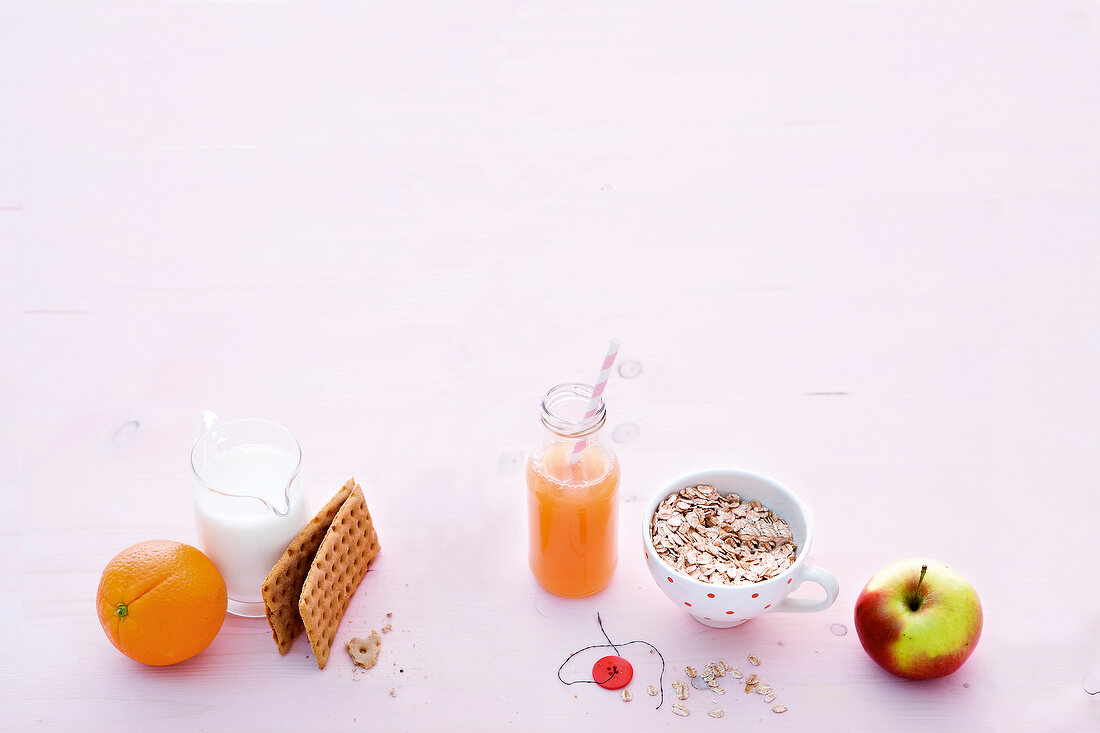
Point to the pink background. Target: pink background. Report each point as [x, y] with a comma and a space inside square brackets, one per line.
[852, 245]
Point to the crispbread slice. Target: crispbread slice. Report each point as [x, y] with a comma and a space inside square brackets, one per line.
[283, 586]
[340, 564]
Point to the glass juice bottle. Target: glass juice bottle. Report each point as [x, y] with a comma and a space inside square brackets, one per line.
[572, 507]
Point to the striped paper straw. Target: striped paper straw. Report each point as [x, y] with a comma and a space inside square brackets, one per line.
[597, 392]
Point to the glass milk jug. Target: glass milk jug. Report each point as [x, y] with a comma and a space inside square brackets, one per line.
[250, 502]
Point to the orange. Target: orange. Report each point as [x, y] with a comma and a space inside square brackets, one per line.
[161, 602]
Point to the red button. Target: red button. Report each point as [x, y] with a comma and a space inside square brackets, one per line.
[611, 673]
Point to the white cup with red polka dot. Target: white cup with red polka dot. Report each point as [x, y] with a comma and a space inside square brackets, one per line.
[725, 606]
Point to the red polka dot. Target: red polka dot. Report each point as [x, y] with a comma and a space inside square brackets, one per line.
[729, 613]
[647, 554]
[670, 580]
[710, 595]
[789, 580]
[768, 606]
[686, 603]
[755, 595]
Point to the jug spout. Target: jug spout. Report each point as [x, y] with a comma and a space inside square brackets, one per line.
[282, 508]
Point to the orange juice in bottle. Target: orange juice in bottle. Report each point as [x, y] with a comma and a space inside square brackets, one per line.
[572, 506]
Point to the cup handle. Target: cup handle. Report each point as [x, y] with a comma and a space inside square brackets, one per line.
[817, 575]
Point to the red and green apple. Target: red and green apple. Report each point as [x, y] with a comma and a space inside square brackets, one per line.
[918, 619]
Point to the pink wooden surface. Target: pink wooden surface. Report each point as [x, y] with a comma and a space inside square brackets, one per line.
[852, 245]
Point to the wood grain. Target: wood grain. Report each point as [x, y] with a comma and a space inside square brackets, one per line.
[853, 246]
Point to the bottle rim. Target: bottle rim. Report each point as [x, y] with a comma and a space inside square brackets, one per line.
[572, 427]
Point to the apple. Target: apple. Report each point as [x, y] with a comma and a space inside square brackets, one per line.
[918, 619]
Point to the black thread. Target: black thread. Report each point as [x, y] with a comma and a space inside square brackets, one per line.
[600, 622]
[660, 678]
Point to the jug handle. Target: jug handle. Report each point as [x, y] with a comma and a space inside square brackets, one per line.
[207, 420]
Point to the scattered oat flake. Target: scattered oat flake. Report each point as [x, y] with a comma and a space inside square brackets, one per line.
[755, 660]
[680, 710]
[387, 628]
[769, 697]
[626, 695]
[393, 692]
[751, 682]
[764, 689]
[652, 690]
[779, 709]
[737, 674]
[690, 671]
[389, 614]
[716, 713]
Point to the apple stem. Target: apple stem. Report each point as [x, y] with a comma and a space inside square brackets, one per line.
[915, 597]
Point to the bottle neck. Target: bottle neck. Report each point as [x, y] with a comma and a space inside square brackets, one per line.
[567, 414]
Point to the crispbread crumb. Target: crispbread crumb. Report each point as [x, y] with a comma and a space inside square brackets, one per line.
[364, 652]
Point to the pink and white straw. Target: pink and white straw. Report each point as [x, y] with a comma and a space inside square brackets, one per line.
[597, 392]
